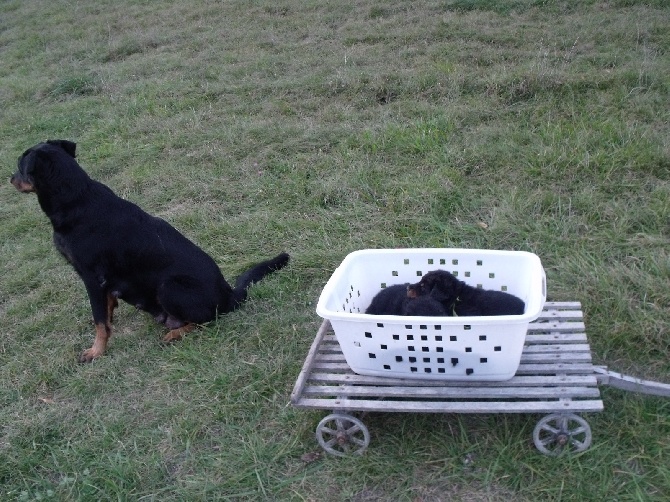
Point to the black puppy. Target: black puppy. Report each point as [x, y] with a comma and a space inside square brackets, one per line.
[120, 251]
[461, 299]
[393, 300]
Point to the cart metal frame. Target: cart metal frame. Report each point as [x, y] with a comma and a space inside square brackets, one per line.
[556, 376]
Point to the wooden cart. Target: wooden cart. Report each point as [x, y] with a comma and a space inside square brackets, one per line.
[556, 377]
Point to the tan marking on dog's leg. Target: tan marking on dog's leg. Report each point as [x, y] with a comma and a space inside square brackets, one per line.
[102, 333]
[112, 303]
[177, 334]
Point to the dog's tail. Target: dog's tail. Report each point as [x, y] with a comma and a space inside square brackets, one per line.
[256, 273]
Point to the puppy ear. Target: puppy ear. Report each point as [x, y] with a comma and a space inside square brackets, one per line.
[438, 293]
[69, 146]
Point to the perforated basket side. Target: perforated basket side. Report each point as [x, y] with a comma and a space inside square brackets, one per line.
[431, 351]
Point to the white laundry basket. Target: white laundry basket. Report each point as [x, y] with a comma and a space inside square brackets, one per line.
[435, 348]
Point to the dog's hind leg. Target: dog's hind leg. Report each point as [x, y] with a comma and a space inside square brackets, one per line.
[177, 334]
[186, 303]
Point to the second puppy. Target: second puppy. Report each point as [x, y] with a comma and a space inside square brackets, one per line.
[394, 300]
[461, 299]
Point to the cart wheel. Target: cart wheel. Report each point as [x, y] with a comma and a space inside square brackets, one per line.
[341, 435]
[557, 433]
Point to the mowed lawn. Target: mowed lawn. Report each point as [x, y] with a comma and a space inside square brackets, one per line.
[320, 128]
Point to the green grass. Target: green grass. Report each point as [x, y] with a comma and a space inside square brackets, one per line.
[322, 128]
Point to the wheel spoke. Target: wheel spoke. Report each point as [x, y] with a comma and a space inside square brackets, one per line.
[548, 441]
[549, 428]
[578, 445]
[357, 441]
[352, 430]
[577, 431]
[327, 430]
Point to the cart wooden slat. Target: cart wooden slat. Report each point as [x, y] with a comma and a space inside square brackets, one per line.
[556, 375]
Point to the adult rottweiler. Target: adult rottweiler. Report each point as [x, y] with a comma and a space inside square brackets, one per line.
[461, 299]
[122, 252]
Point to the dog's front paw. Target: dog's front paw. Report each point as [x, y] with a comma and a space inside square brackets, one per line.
[89, 355]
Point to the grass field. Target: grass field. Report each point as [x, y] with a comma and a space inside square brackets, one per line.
[321, 128]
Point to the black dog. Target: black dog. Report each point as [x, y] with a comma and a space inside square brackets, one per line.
[461, 299]
[393, 300]
[119, 251]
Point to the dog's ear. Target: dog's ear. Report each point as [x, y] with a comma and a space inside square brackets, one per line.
[443, 287]
[433, 288]
[69, 146]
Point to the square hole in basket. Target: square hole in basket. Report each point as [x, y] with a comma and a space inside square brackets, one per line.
[410, 348]
[503, 288]
[368, 334]
[425, 349]
[380, 325]
[438, 327]
[467, 327]
[426, 359]
[410, 337]
[413, 369]
[412, 359]
[469, 371]
[467, 274]
[426, 370]
[387, 367]
[398, 359]
[430, 261]
[423, 326]
[454, 262]
[419, 273]
[439, 349]
[440, 360]
[441, 370]
[438, 338]
[454, 361]
[453, 338]
[424, 338]
[480, 263]
[468, 349]
[372, 356]
[443, 261]
[406, 261]
[483, 360]
[394, 273]
[497, 348]
[396, 337]
[384, 347]
[492, 275]
[482, 338]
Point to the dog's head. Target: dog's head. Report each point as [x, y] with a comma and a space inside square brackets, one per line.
[439, 285]
[41, 164]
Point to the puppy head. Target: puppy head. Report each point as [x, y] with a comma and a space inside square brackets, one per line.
[439, 285]
[37, 165]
